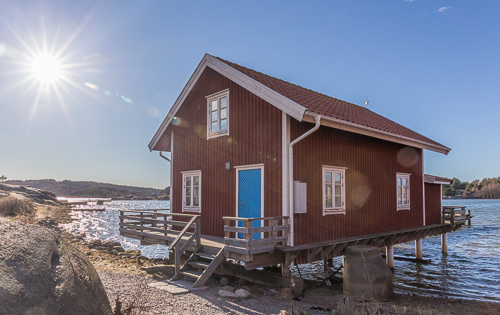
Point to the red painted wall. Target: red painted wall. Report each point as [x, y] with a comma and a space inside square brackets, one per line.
[254, 137]
[370, 180]
[432, 204]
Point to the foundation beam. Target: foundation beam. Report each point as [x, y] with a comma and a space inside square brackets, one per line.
[418, 248]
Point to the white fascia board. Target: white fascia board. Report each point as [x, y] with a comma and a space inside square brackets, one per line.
[375, 133]
[171, 114]
[284, 104]
[281, 102]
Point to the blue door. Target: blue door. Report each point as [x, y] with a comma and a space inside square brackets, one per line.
[250, 197]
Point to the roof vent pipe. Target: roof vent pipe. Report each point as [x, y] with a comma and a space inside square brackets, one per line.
[290, 177]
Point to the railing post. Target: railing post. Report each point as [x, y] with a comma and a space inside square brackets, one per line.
[165, 225]
[177, 258]
[142, 221]
[154, 217]
[272, 235]
[226, 233]
[198, 232]
[121, 218]
[286, 231]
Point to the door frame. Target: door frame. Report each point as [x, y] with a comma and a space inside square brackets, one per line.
[245, 168]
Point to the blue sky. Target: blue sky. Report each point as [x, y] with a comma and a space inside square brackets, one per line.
[432, 66]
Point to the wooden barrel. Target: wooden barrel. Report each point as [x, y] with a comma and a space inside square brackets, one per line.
[366, 274]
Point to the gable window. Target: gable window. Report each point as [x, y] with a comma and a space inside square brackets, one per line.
[191, 191]
[333, 190]
[218, 114]
[403, 191]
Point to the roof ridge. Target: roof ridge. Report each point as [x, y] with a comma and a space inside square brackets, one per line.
[296, 85]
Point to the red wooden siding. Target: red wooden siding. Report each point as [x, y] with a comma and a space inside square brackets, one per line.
[370, 180]
[254, 137]
[432, 204]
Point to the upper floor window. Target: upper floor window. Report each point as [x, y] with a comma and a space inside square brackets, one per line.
[191, 191]
[333, 190]
[218, 114]
[403, 192]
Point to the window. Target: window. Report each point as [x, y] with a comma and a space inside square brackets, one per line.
[403, 193]
[333, 190]
[191, 191]
[218, 114]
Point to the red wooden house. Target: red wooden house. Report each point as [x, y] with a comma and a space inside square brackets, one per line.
[244, 144]
[237, 142]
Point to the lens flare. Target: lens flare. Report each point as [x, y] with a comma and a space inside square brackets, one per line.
[90, 85]
[126, 99]
[46, 68]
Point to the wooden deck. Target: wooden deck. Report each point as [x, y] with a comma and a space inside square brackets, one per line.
[263, 245]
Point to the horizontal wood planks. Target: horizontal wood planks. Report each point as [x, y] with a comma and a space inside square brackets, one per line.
[432, 204]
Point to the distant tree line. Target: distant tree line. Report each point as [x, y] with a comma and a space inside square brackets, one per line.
[487, 188]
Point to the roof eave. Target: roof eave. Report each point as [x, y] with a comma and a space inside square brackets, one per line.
[375, 133]
[286, 105]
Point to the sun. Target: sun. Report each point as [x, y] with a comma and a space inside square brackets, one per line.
[46, 68]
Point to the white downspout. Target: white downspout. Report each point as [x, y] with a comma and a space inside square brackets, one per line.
[171, 164]
[290, 177]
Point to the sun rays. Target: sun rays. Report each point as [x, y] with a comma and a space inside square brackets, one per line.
[47, 67]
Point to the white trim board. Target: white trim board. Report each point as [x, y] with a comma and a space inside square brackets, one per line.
[279, 101]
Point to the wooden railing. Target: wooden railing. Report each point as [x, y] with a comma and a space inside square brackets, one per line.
[242, 237]
[179, 245]
[454, 215]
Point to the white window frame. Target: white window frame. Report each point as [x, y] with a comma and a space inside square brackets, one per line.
[334, 170]
[190, 207]
[217, 97]
[403, 206]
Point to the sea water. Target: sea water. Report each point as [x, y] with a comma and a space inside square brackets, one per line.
[470, 270]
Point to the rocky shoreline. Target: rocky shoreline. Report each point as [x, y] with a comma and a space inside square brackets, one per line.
[140, 285]
[137, 280]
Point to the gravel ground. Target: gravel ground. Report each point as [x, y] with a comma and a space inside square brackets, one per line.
[131, 287]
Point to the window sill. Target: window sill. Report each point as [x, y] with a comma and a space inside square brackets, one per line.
[333, 212]
[404, 209]
[197, 210]
[219, 134]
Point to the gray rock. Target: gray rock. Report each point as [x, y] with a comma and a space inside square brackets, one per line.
[243, 294]
[227, 294]
[108, 243]
[95, 242]
[228, 288]
[119, 249]
[224, 280]
[40, 273]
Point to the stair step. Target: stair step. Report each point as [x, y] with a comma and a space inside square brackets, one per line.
[199, 264]
[190, 273]
[205, 255]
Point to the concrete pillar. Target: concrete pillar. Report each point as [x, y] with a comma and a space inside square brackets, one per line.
[389, 256]
[444, 244]
[418, 249]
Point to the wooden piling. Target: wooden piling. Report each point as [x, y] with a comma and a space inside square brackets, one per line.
[444, 244]
[389, 256]
[418, 249]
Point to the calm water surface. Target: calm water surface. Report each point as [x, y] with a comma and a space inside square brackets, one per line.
[470, 270]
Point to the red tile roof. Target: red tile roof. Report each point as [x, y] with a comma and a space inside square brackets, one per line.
[328, 106]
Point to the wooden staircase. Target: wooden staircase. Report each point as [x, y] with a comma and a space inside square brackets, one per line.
[201, 264]
[203, 260]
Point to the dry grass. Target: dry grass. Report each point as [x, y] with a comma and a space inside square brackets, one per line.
[348, 307]
[23, 209]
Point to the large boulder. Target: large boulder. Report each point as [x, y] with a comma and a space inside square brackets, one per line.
[40, 273]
